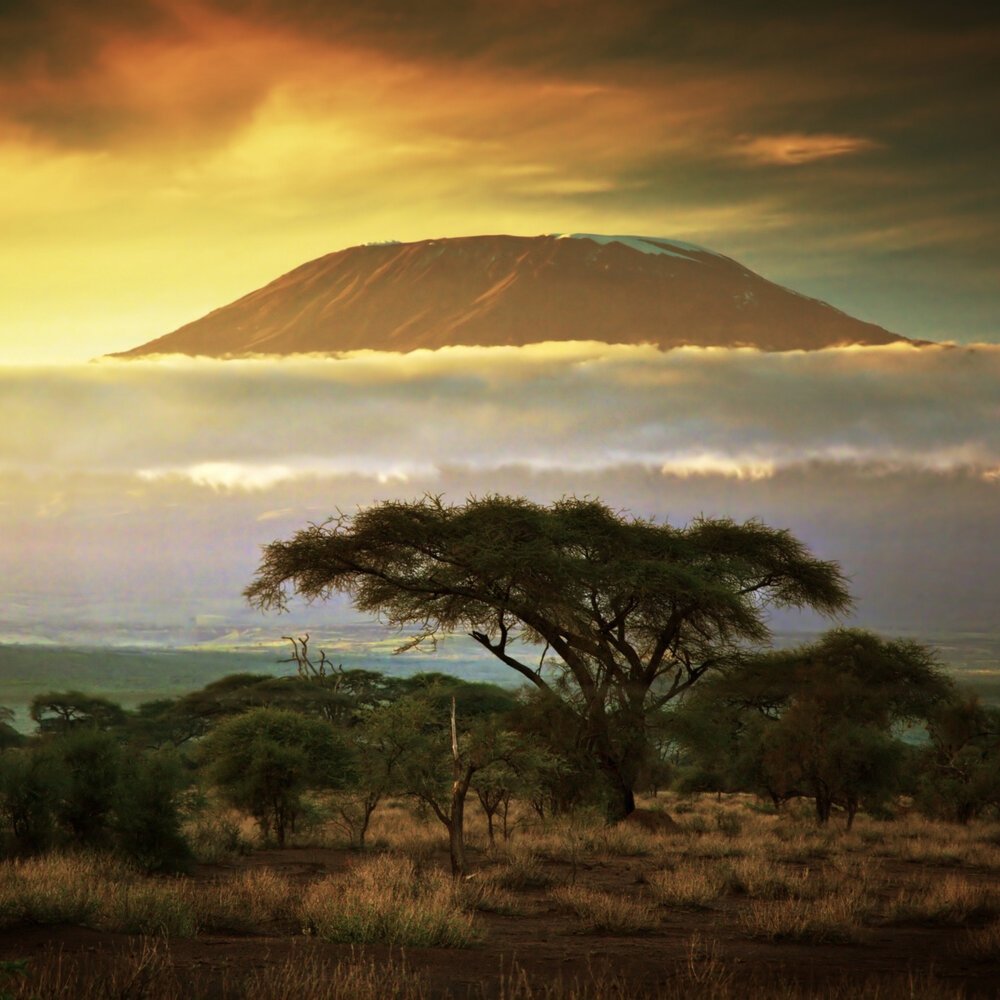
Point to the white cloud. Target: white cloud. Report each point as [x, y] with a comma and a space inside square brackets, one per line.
[256, 424]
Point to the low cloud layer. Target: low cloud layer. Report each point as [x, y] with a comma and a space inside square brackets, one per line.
[747, 414]
[142, 490]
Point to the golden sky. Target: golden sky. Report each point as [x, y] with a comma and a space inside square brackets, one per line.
[159, 159]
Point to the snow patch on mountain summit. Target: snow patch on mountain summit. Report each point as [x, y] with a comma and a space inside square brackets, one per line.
[655, 245]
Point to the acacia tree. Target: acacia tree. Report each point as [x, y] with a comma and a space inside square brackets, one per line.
[819, 720]
[264, 760]
[62, 711]
[630, 612]
[435, 761]
[961, 764]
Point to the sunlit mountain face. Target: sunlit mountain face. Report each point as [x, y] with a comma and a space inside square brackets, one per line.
[511, 291]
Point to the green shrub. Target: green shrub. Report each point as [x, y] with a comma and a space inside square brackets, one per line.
[147, 819]
[88, 763]
[28, 790]
[264, 760]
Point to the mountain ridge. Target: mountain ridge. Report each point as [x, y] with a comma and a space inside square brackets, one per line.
[516, 290]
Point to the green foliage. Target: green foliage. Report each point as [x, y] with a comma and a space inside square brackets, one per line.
[632, 613]
[9, 736]
[80, 790]
[87, 764]
[264, 760]
[62, 711]
[960, 772]
[29, 788]
[571, 777]
[831, 759]
[147, 819]
[816, 721]
[473, 699]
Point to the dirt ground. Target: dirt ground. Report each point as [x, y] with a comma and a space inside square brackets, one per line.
[544, 941]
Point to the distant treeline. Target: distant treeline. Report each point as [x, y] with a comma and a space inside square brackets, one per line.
[825, 723]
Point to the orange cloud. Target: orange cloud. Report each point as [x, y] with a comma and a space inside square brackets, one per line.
[796, 149]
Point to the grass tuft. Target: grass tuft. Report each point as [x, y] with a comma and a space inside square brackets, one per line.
[605, 912]
[386, 899]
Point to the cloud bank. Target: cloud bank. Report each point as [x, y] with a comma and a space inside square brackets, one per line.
[582, 406]
[143, 489]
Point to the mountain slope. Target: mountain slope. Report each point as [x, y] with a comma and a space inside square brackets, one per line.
[513, 290]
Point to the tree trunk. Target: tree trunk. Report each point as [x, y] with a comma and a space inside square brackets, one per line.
[823, 807]
[621, 801]
[852, 809]
[456, 837]
[461, 777]
[620, 760]
[367, 808]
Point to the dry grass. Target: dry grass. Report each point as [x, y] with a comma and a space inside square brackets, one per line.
[761, 878]
[98, 892]
[144, 907]
[219, 834]
[773, 876]
[836, 918]
[983, 943]
[953, 901]
[310, 977]
[605, 912]
[520, 868]
[146, 971]
[696, 884]
[387, 899]
[396, 828]
[919, 840]
[720, 845]
[55, 889]
[246, 901]
[802, 845]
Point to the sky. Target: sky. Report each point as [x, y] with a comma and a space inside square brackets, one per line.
[159, 159]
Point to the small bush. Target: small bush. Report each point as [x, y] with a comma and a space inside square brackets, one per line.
[728, 823]
[759, 878]
[29, 787]
[147, 821]
[90, 762]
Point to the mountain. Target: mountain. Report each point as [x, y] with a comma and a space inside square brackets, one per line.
[515, 290]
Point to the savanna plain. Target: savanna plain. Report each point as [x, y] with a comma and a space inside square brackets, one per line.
[734, 899]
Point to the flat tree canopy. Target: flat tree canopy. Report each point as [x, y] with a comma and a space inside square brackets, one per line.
[630, 613]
